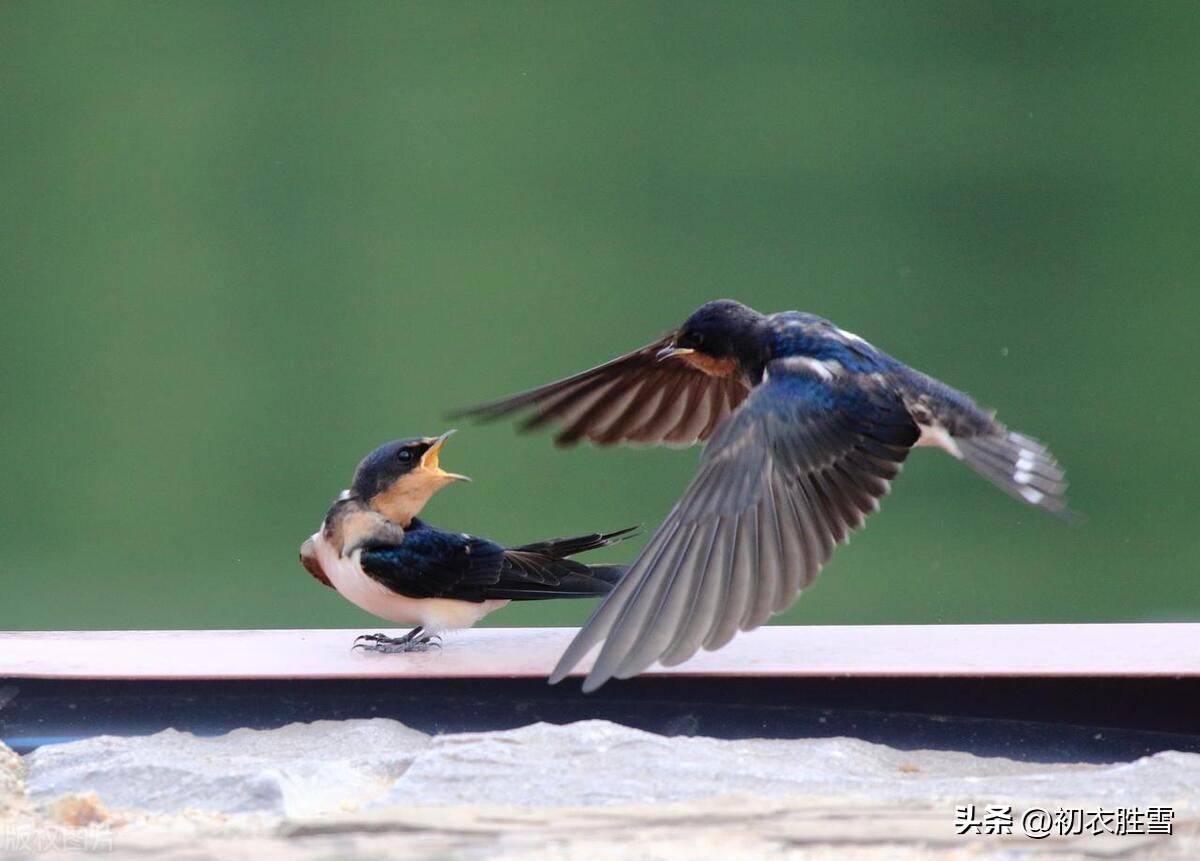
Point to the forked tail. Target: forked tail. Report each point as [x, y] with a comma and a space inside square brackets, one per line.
[1020, 466]
[544, 569]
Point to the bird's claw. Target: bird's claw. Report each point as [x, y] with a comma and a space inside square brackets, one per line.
[385, 645]
[373, 638]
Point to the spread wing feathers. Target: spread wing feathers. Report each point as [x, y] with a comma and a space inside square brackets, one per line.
[1021, 466]
[781, 483]
[635, 398]
[431, 563]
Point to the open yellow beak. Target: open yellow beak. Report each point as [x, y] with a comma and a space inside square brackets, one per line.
[429, 460]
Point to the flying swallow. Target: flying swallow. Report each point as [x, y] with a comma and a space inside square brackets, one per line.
[805, 426]
[373, 549]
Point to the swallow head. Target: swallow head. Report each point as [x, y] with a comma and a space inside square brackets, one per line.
[722, 338]
[400, 476]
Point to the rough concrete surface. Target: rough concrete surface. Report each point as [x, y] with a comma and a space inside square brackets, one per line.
[374, 788]
[12, 785]
[296, 770]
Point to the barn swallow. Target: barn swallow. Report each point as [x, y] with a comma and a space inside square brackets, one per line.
[805, 426]
[374, 551]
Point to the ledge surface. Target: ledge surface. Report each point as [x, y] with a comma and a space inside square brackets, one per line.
[1100, 650]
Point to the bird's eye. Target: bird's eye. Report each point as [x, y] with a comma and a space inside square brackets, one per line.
[405, 455]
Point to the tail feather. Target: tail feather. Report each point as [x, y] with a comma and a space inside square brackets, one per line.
[561, 548]
[610, 574]
[542, 570]
[1020, 466]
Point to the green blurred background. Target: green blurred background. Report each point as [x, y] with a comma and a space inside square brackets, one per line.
[243, 243]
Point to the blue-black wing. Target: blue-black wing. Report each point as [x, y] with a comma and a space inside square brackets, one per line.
[782, 481]
[634, 398]
[433, 563]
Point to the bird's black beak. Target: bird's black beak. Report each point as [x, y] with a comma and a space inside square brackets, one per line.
[429, 460]
[671, 351]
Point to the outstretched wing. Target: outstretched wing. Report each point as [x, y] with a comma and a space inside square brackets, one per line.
[782, 482]
[636, 398]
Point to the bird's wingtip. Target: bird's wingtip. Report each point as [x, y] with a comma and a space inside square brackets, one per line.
[1071, 517]
[590, 684]
[565, 665]
[462, 413]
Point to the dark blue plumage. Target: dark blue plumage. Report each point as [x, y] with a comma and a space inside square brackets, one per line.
[792, 333]
[806, 424]
[433, 563]
[374, 550]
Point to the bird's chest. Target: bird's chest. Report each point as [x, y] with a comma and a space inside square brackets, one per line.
[367, 593]
[347, 576]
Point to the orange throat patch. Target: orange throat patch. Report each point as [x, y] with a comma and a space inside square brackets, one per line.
[404, 500]
[724, 368]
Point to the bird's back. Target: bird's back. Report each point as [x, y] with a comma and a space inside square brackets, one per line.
[795, 333]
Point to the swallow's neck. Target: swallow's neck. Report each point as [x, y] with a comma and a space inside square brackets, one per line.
[723, 368]
[404, 498]
[751, 351]
[350, 524]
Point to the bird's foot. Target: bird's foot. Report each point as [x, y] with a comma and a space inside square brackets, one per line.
[424, 644]
[375, 638]
[384, 645]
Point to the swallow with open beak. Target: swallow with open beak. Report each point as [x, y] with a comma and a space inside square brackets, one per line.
[374, 551]
[806, 425]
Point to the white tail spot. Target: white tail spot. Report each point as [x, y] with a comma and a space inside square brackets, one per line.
[1032, 496]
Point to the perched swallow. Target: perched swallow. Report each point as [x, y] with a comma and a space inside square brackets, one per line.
[806, 425]
[374, 551]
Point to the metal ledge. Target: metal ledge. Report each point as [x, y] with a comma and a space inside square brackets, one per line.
[1099, 650]
[1096, 693]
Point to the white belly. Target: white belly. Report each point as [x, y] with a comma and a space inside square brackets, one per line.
[432, 614]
